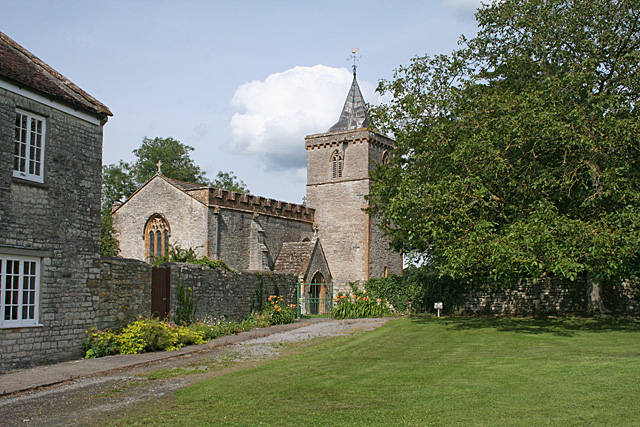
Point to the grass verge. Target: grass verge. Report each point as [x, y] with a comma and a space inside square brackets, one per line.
[428, 371]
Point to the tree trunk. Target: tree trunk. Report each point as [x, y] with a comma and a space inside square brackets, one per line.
[595, 298]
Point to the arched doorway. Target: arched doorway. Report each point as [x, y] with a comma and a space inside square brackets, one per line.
[316, 294]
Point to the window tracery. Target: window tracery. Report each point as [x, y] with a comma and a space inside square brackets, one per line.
[156, 236]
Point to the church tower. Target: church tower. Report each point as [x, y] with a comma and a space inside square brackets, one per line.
[338, 165]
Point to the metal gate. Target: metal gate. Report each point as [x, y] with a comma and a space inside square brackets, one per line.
[315, 299]
[160, 291]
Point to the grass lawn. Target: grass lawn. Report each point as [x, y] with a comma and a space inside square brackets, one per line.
[428, 371]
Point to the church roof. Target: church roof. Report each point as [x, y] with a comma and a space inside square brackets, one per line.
[25, 69]
[185, 185]
[354, 113]
[294, 257]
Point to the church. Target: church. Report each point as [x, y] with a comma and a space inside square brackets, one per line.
[330, 239]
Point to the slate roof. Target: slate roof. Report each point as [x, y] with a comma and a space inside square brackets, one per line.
[354, 112]
[294, 257]
[184, 185]
[25, 69]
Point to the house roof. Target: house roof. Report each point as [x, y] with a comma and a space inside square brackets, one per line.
[25, 69]
[354, 112]
[294, 257]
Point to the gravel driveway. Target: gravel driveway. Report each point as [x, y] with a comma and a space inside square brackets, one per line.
[85, 401]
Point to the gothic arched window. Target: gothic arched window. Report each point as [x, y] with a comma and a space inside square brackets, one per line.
[156, 236]
[337, 162]
[385, 157]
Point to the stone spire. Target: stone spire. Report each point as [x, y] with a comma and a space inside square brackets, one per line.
[354, 113]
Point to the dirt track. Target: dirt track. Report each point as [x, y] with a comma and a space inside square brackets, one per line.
[85, 401]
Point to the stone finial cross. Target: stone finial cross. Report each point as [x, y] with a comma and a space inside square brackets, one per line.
[159, 164]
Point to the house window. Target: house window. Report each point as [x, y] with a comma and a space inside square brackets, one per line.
[337, 161]
[157, 236]
[28, 146]
[19, 291]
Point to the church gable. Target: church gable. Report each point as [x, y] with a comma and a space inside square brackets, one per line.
[184, 220]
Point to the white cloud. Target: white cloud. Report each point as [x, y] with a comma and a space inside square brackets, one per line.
[273, 116]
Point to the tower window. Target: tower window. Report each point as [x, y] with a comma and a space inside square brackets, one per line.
[385, 157]
[337, 162]
[156, 236]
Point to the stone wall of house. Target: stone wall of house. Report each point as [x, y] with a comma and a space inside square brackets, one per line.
[122, 294]
[226, 293]
[56, 222]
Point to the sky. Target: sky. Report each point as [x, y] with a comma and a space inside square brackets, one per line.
[242, 82]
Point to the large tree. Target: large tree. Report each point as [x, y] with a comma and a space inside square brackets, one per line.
[518, 154]
[120, 180]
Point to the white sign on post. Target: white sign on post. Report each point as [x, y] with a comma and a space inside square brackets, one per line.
[438, 306]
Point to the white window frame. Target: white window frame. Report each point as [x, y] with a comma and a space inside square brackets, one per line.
[22, 294]
[29, 152]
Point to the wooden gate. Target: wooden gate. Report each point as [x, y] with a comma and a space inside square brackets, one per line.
[160, 291]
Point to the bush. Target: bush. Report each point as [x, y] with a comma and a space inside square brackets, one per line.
[277, 312]
[153, 334]
[177, 254]
[141, 336]
[100, 343]
[358, 305]
[419, 289]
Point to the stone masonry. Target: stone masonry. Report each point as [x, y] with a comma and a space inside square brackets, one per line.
[55, 222]
[355, 248]
[231, 294]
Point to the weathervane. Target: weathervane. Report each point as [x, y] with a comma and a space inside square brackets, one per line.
[355, 58]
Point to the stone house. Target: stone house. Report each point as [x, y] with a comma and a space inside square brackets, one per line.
[256, 233]
[51, 149]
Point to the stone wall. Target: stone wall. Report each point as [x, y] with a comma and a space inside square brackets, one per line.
[554, 296]
[226, 293]
[56, 222]
[249, 241]
[123, 292]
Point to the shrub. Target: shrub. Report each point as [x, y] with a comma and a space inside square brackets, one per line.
[419, 289]
[177, 254]
[141, 336]
[277, 312]
[358, 305]
[100, 343]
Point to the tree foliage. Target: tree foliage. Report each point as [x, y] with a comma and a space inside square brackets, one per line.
[518, 153]
[120, 180]
[175, 157]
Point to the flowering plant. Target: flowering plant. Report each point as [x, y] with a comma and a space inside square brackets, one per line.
[277, 312]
